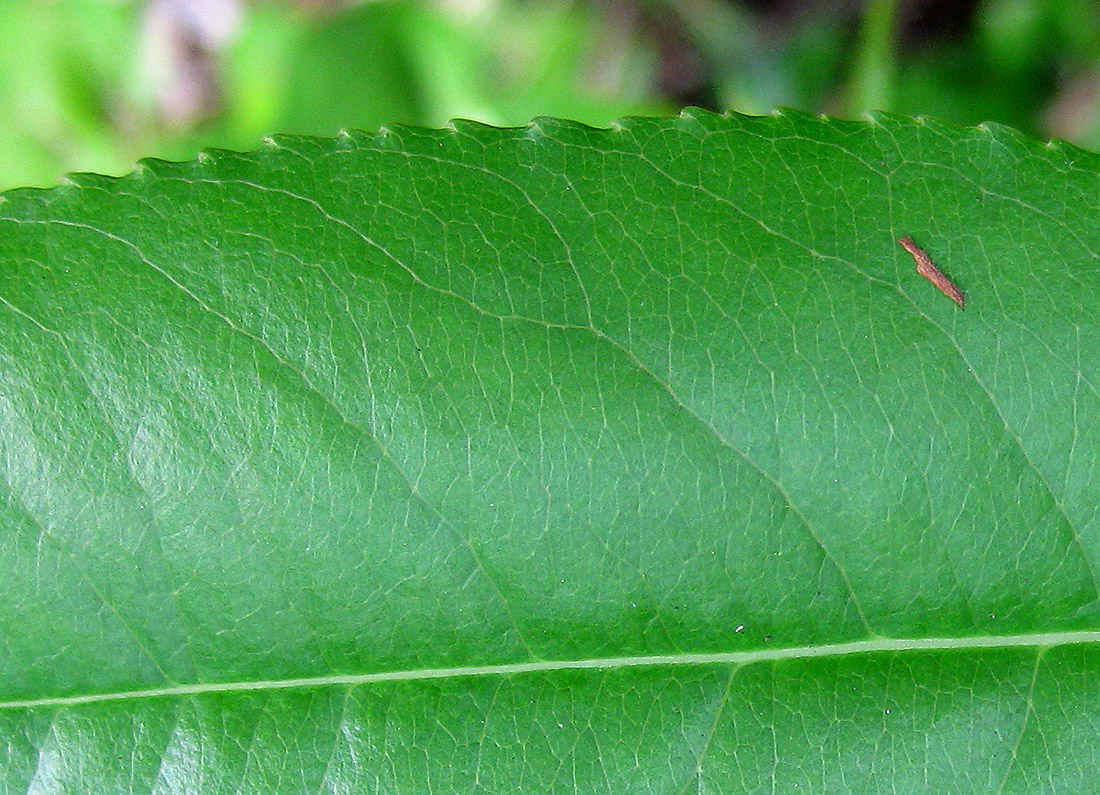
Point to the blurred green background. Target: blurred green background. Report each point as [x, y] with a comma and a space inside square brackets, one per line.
[93, 85]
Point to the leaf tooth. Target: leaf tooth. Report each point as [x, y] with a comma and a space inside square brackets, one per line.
[468, 126]
[548, 126]
[701, 115]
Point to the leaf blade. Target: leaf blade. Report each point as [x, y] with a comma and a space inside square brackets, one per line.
[477, 397]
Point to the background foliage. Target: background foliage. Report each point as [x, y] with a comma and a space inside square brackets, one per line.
[93, 85]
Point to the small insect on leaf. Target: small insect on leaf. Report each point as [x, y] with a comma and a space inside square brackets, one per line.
[928, 269]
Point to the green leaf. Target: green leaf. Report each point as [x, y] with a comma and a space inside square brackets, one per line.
[556, 460]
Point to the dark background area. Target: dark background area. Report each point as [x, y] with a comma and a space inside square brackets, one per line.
[93, 85]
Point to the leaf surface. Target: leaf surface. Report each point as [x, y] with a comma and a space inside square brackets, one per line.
[556, 460]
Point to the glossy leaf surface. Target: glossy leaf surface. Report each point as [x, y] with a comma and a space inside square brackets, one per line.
[555, 459]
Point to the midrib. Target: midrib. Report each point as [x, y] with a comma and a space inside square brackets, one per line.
[1038, 641]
